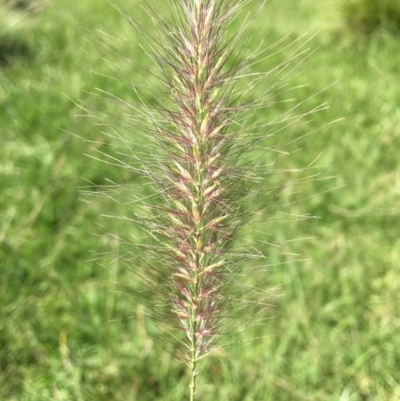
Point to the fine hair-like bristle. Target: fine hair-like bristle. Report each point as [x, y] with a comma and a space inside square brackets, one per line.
[203, 189]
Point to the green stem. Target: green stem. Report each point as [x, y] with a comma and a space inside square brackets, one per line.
[192, 384]
[193, 317]
[197, 149]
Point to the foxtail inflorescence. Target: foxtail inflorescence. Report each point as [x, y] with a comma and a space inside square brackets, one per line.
[202, 189]
[199, 179]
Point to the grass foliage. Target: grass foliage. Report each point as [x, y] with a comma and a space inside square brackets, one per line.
[68, 323]
[370, 15]
[13, 26]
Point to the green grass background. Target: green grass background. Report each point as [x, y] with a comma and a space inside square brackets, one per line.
[69, 332]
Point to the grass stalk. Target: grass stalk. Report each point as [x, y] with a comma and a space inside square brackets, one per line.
[195, 134]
